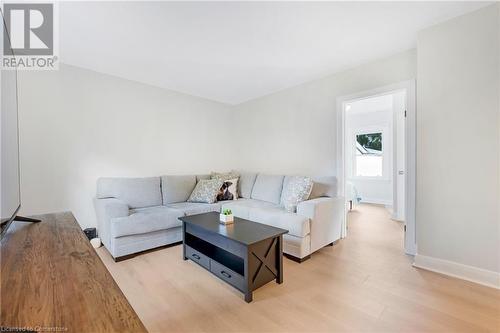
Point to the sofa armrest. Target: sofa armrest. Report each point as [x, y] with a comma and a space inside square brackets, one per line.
[326, 215]
[106, 209]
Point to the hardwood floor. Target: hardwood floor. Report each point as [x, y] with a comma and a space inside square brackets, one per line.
[363, 283]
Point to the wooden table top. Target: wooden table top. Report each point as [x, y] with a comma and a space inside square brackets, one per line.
[51, 277]
[242, 231]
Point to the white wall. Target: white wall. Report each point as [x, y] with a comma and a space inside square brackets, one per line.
[458, 133]
[294, 131]
[371, 190]
[77, 125]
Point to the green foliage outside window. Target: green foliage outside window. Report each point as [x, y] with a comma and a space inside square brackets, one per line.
[370, 141]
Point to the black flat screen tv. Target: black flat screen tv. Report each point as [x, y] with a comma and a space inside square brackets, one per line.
[10, 197]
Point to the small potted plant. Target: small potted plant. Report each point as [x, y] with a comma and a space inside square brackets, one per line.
[226, 217]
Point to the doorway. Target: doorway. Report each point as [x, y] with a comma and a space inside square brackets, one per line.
[376, 153]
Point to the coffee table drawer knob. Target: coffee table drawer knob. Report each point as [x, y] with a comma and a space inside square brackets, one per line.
[228, 275]
[197, 257]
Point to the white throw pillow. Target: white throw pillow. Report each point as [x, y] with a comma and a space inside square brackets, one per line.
[228, 190]
[206, 191]
[297, 189]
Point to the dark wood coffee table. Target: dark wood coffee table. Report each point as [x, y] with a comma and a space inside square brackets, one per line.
[244, 254]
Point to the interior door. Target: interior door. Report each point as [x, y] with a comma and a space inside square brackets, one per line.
[400, 158]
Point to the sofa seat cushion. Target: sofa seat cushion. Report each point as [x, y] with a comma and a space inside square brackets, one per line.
[296, 225]
[193, 208]
[145, 220]
[270, 214]
[242, 207]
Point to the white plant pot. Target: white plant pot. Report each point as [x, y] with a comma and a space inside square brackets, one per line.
[226, 219]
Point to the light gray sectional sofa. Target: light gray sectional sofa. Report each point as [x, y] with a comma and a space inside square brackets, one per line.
[137, 214]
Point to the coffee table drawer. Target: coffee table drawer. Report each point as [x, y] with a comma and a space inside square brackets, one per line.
[197, 257]
[227, 275]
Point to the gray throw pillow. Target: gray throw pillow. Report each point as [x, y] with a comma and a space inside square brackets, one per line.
[296, 189]
[206, 191]
[324, 187]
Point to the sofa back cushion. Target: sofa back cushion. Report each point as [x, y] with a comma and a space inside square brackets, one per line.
[200, 177]
[245, 184]
[135, 192]
[177, 188]
[268, 188]
[324, 187]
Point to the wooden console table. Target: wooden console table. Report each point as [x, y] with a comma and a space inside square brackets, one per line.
[53, 280]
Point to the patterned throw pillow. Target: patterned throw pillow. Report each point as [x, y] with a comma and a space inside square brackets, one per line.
[297, 189]
[206, 191]
[224, 175]
[229, 188]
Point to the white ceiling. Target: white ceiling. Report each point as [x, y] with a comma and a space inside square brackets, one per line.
[235, 51]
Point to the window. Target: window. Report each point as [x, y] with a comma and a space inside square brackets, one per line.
[369, 155]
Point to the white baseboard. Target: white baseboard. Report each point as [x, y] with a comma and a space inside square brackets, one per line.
[464, 272]
[376, 201]
[395, 216]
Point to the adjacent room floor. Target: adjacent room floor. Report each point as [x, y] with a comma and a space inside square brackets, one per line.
[363, 283]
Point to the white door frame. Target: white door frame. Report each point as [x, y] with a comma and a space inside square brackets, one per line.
[411, 150]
